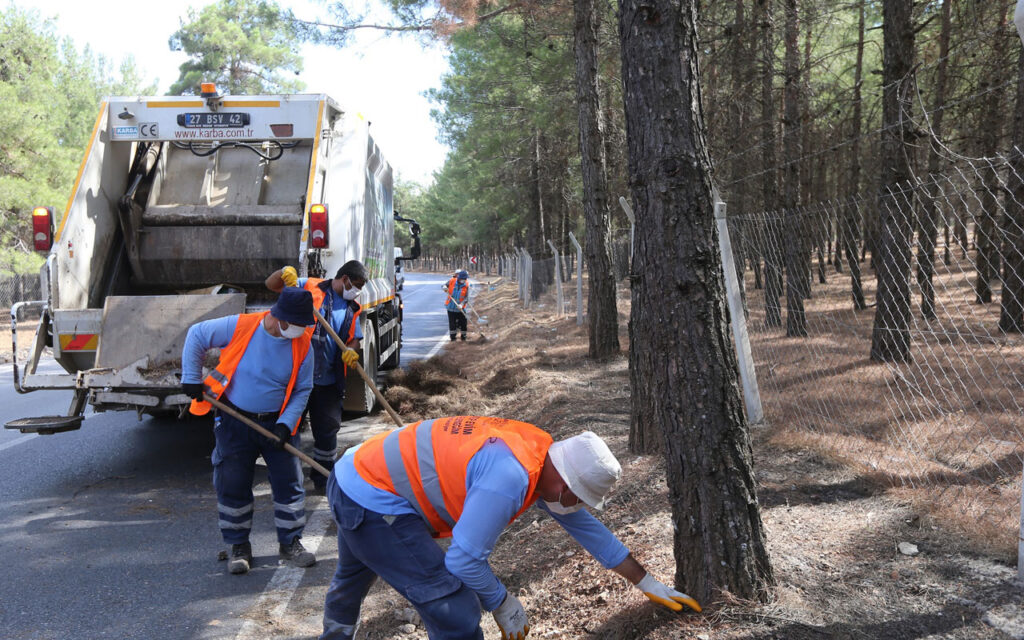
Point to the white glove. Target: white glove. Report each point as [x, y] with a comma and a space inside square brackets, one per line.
[511, 619]
[666, 596]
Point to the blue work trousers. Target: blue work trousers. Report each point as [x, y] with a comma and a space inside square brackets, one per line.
[324, 421]
[234, 465]
[400, 550]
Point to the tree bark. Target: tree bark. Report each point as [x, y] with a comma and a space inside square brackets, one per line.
[851, 216]
[928, 231]
[682, 365]
[890, 335]
[986, 231]
[1011, 312]
[795, 233]
[772, 246]
[602, 312]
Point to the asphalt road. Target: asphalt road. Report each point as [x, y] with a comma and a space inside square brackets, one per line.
[111, 531]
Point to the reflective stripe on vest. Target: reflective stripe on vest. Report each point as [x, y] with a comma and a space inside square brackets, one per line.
[216, 383]
[425, 462]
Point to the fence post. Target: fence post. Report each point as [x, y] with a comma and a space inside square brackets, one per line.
[579, 279]
[558, 279]
[528, 279]
[751, 394]
[632, 226]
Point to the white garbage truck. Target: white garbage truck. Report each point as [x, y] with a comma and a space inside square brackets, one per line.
[181, 209]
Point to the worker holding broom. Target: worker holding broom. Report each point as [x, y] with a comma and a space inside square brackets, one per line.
[265, 373]
[466, 477]
[336, 301]
[457, 291]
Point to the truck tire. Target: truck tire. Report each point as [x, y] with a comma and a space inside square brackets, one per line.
[358, 395]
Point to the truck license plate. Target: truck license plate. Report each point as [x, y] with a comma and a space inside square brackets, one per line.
[213, 120]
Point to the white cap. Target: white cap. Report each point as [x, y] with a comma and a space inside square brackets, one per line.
[587, 465]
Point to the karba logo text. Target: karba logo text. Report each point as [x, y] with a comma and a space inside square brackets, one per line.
[126, 131]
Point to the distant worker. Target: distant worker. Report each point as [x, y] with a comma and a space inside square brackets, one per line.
[265, 373]
[466, 477]
[336, 301]
[458, 293]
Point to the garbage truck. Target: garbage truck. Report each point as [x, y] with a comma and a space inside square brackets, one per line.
[181, 208]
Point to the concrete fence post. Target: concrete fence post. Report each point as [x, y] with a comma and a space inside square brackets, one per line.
[560, 301]
[579, 279]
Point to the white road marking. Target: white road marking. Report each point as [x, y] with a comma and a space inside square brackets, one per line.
[437, 347]
[275, 598]
[17, 441]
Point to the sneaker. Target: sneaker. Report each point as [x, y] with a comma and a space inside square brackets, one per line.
[296, 554]
[241, 558]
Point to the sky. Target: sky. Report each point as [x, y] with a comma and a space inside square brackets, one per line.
[382, 77]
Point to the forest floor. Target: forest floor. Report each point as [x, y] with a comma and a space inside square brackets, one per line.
[833, 538]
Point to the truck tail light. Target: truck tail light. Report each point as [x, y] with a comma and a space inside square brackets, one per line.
[42, 228]
[319, 230]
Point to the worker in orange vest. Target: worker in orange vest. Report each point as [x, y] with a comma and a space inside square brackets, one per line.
[265, 372]
[457, 291]
[466, 477]
[336, 301]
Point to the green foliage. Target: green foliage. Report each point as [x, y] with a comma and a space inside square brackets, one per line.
[49, 98]
[245, 46]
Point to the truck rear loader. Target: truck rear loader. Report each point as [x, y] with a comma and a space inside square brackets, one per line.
[181, 209]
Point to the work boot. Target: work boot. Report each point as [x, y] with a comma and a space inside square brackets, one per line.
[296, 554]
[452, 336]
[241, 558]
[463, 337]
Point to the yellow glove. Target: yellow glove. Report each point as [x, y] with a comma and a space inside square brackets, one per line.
[349, 357]
[666, 596]
[290, 277]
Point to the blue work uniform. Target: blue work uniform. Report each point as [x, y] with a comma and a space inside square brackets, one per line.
[257, 389]
[447, 589]
[328, 392]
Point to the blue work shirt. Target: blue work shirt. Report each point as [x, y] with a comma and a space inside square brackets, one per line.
[460, 285]
[261, 379]
[327, 363]
[496, 486]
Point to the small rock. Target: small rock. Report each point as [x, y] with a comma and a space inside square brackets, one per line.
[908, 548]
[703, 636]
[222, 555]
[408, 628]
[407, 614]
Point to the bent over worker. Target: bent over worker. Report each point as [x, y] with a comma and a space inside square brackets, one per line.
[466, 477]
[457, 291]
[265, 373]
[336, 301]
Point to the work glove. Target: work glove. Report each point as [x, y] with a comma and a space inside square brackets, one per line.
[511, 619]
[193, 390]
[349, 357]
[290, 277]
[283, 433]
[666, 596]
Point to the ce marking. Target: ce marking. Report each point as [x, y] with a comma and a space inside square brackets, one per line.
[148, 130]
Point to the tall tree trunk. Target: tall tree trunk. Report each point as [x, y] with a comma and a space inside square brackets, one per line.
[986, 231]
[890, 336]
[927, 234]
[769, 184]
[1011, 313]
[738, 105]
[795, 227]
[602, 313]
[851, 215]
[681, 359]
[536, 239]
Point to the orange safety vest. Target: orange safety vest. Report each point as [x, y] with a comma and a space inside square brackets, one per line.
[217, 382]
[451, 292]
[313, 286]
[425, 462]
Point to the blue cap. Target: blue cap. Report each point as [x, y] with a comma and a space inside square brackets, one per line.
[462, 275]
[294, 306]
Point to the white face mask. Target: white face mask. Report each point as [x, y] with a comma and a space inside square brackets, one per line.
[293, 331]
[559, 508]
[351, 294]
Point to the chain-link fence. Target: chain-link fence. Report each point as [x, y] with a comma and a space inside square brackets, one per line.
[18, 288]
[944, 420]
